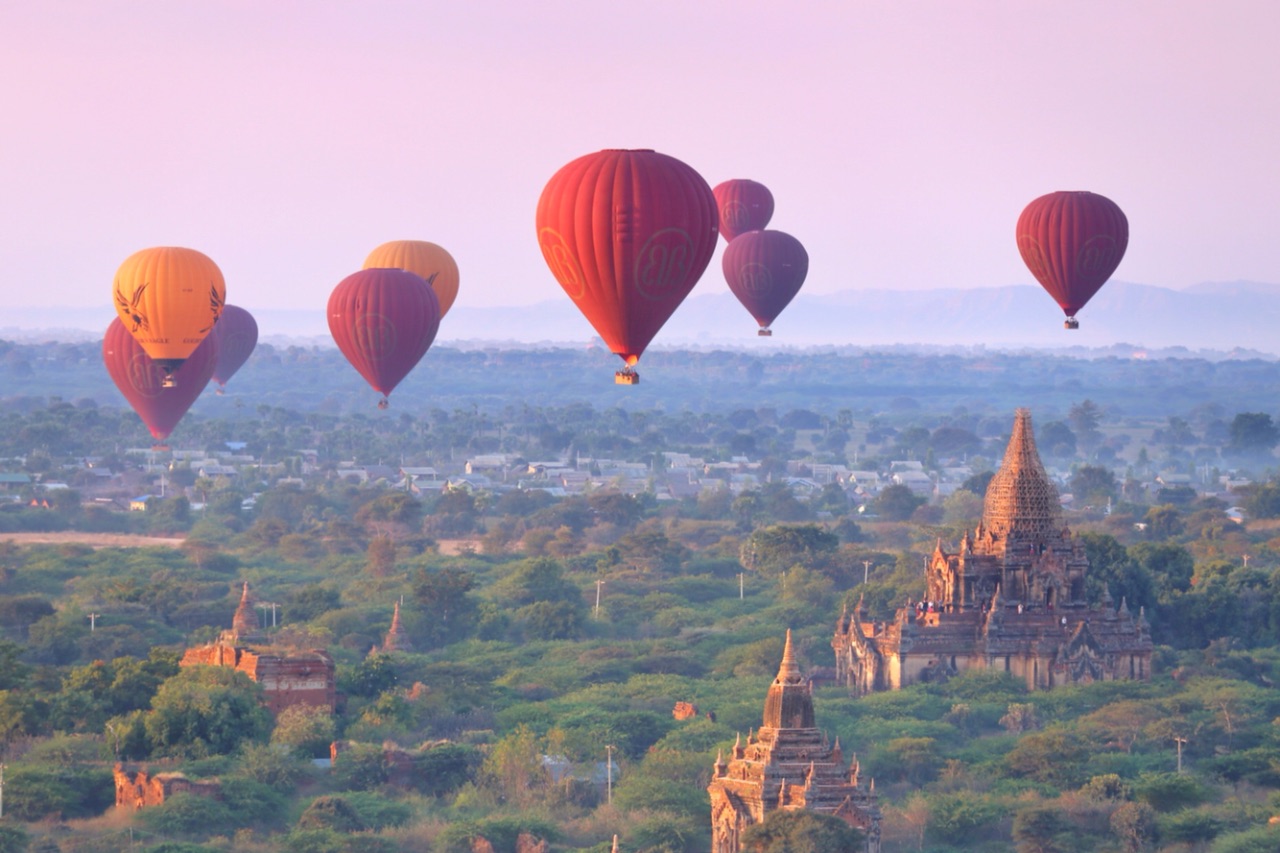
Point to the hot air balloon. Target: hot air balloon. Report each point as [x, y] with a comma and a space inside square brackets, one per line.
[169, 299]
[765, 270]
[627, 234]
[1072, 242]
[743, 206]
[383, 320]
[425, 259]
[142, 381]
[237, 334]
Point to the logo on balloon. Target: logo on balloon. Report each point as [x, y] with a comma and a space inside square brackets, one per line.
[375, 334]
[1033, 256]
[755, 278]
[735, 215]
[144, 376]
[563, 263]
[1098, 257]
[663, 264]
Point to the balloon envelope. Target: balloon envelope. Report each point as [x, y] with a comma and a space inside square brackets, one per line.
[169, 299]
[141, 380]
[627, 234]
[428, 260]
[383, 320]
[1072, 242]
[237, 334]
[764, 270]
[743, 206]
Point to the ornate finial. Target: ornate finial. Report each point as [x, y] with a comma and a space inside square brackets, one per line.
[788, 672]
[1020, 499]
[1123, 610]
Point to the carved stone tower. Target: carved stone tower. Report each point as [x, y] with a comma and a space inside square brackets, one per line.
[396, 640]
[788, 765]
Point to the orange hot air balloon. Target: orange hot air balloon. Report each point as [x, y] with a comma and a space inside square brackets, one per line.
[627, 234]
[1072, 242]
[424, 259]
[169, 298]
[141, 380]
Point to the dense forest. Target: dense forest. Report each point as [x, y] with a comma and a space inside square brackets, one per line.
[552, 630]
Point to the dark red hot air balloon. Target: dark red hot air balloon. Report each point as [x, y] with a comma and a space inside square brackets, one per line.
[237, 334]
[1072, 242]
[384, 321]
[627, 234]
[743, 206]
[142, 380]
[765, 270]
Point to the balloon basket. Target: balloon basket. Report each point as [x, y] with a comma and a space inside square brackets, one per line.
[168, 381]
[159, 448]
[384, 403]
[626, 377]
[1071, 323]
[765, 332]
[221, 391]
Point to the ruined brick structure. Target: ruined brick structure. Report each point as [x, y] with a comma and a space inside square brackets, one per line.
[1011, 598]
[788, 765]
[287, 678]
[396, 639]
[137, 790]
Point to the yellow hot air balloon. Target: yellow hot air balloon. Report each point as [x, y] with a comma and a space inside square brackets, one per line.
[428, 260]
[169, 299]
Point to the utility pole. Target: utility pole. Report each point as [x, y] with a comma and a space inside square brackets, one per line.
[866, 570]
[1, 791]
[264, 606]
[608, 769]
[1180, 741]
[740, 582]
[93, 622]
[596, 613]
[1246, 561]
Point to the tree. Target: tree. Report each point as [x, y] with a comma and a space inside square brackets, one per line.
[1093, 484]
[773, 550]
[1135, 825]
[1253, 432]
[443, 595]
[1042, 829]
[897, 502]
[308, 730]
[801, 832]
[206, 710]
[381, 559]
[1056, 439]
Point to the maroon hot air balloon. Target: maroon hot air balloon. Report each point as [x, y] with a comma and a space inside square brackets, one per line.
[765, 270]
[142, 381]
[237, 334]
[743, 206]
[1072, 242]
[627, 234]
[384, 321]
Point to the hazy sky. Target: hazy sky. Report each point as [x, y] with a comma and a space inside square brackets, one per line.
[901, 139]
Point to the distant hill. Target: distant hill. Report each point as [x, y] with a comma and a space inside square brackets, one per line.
[1214, 316]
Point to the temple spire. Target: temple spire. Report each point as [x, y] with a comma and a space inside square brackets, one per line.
[789, 703]
[1021, 501]
[245, 622]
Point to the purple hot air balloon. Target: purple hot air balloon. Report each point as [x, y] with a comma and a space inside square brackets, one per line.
[237, 334]
[765, 270]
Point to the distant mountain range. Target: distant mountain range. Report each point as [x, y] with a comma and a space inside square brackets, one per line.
[1240, 318]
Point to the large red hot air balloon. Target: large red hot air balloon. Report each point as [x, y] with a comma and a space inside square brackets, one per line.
[743, 206]
[237, 334]
[765, 270]
[627, 234]
[1072, 242]
[383, 320]
[142, 380]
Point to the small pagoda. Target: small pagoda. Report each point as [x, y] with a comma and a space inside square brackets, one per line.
[788, 765]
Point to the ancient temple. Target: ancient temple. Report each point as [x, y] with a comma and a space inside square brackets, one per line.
[788, 765]
[1011, 598]
[288, 677]
[396, 639]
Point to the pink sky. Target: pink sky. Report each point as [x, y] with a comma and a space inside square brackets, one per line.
[900, 138]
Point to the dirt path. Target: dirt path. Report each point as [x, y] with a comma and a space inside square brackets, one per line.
[93, 540]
